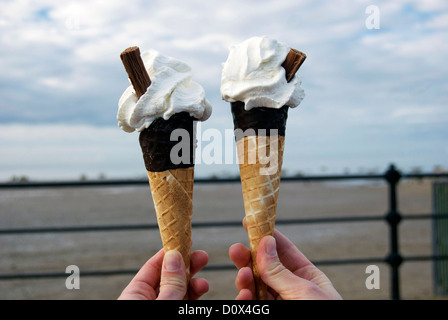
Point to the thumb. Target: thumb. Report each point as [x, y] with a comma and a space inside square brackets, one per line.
[275, 274]
[173, 281]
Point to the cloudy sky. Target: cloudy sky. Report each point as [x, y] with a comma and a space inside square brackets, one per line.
[373, 96]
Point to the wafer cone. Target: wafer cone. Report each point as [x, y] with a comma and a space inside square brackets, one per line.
[172, 193]
[260, 184]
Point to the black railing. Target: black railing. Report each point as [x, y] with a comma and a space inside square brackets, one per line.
[393, 217]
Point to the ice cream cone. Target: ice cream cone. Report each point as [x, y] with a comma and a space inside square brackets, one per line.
[172, 193]
[170, 169]
[261, 93]
[260, 186]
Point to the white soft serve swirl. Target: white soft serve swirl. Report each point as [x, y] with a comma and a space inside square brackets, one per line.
[253, 74]
[172, 90]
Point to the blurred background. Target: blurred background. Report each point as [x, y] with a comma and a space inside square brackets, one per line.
[376, 88]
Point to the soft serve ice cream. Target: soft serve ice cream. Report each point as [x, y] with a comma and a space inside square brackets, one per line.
[172, 90]
[253, 74]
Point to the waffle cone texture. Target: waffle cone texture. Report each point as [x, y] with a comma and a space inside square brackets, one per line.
[172, 193]
[260, 161]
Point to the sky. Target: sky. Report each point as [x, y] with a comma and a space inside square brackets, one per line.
[374, 96]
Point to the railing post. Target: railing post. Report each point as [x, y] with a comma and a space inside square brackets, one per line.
[393, 218]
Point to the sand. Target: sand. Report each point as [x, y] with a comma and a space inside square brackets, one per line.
[53, 252]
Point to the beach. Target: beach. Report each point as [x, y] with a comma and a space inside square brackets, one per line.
[129, 250]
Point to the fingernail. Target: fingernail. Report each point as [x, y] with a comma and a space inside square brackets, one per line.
[271, 247]
[172, 261]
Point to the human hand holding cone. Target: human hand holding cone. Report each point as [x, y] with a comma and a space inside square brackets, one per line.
[260, 136]
[171, 184]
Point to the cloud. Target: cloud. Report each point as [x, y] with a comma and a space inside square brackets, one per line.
[60, 62]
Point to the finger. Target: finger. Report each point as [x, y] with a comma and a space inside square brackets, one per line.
[240, 255]
[244, 294]
[245, 279]
[198, 260]
[198, 287]
[138, 291]
[146, 280]
[277, 276]
[291, 257]
[150, 269]
[173, 280]
[289, 254]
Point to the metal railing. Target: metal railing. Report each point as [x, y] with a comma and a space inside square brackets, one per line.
[393, 217]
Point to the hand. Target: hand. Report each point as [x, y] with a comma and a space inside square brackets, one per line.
[287, 272]
[163, 277]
